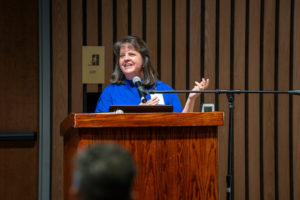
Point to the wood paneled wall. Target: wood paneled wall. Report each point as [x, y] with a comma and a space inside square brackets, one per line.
[238, 44]
[19, 99]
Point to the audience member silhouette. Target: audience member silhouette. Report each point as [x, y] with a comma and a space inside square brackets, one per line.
[104, 172]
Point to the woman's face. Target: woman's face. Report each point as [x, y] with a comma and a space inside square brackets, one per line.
[131, 61]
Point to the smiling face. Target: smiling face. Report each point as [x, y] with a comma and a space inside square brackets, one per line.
[130, 61]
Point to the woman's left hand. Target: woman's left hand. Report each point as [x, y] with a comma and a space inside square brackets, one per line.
[153, 101]
[199, 86]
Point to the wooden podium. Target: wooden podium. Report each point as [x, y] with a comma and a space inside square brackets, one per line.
[176, 153]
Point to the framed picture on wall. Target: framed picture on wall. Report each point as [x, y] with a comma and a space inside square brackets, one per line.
[93, 64]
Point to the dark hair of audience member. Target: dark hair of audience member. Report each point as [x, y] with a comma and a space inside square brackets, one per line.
[104, 172]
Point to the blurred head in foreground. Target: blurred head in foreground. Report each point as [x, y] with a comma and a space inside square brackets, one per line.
[103, 172]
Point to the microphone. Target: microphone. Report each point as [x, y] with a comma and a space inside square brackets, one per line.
[138, 84]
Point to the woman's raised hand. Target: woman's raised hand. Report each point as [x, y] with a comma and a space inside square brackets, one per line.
[199, 86]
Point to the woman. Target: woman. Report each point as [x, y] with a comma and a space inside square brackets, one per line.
[132, 59]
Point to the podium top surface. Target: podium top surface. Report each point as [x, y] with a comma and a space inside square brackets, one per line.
[101, 120]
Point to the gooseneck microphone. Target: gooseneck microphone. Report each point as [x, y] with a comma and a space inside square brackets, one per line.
[138, 84]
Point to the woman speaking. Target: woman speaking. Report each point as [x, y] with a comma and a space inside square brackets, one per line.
[133, 60]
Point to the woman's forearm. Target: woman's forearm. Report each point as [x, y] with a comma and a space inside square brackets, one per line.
[189, 105]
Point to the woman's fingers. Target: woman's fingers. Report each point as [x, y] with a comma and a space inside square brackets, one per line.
[153, 101]
[203, 84]
[199, 86]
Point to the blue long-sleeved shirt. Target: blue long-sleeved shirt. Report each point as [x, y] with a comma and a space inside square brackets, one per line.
[127, 94]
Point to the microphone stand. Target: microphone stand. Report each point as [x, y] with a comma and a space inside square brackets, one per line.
[230, 97]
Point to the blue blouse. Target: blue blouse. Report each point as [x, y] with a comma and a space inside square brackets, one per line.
[127, 94]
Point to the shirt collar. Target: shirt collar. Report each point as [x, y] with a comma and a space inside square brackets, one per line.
[129, 82]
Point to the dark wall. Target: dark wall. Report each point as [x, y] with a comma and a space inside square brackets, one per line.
[19, 98]
[242, 44]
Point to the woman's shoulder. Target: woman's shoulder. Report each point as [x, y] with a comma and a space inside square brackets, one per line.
[162, 85]
[112, 86]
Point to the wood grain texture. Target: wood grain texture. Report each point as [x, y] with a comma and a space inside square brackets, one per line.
[92, 22]
[268, 100]
[60, 92]
[283, 112]
[19, 67]
[180, 49]
[151, 30]
[195, 47]
[166, 41]
[107, 37]
[253, 116]
[173, 162]
[296, 101]
[92, 32]
[210, 47]
[76, 56]
[224, 83]
[239, 102]
[122, 19]
[70, 149]
[19, 101]
[141, 120]
[68, 124]
[136, 19]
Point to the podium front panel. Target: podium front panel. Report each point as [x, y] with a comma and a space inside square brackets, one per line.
[173, 162]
